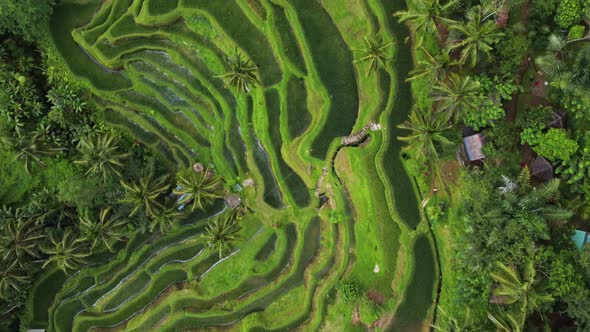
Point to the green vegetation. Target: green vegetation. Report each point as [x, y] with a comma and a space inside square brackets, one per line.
[511, 71]
[259, 165]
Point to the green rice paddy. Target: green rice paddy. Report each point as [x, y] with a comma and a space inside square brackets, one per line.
[155, 65]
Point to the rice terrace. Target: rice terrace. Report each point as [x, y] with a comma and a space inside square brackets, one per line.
[156, 67]
[287, 165]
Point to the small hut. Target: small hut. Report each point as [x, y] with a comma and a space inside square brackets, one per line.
[581, 238]
[542, 169]
[233, 201]
[471, 150]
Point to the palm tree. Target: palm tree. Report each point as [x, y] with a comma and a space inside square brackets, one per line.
[165, 218]
[427, 130]
[242, 73]
[20, 239]
[425, 16]
[144, 194]
[454, 324]
[12, 276]
[523, 203]
[435, 66]
[221, 232]
[198, 189]
[51, 209]
[523, 292]
[100, 155]
[375, 52]
[477, 36]
[28, 149]
[68, 253]
[107, 230]
[456, 95]
[507, 321]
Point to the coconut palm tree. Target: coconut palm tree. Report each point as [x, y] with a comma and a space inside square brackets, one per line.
[67, 252]
[374, 52]
[12, 277]
[242, 73]
[456, 325]
[165, 218]
[531, 206]
[50, 209]
[99, 154]
[435, 66]
[28, 149]
[221, 233]
[425, 16]
[198, 189]
[507, 321]
[426, 131]
[143, 195]
[20, 239]
[456, 95]
[107, 230]
[477, 36]
[524, 292]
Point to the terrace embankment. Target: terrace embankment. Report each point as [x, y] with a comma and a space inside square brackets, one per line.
[156, 66]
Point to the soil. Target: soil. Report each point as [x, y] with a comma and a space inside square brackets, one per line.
[376, 297]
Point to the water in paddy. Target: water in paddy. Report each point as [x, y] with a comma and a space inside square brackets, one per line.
[336, 72]
[311, 245]
[334, 64]
[66, 18]
[419, 293]
[406, 204]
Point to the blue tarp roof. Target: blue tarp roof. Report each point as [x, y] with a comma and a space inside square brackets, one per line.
[581, 238]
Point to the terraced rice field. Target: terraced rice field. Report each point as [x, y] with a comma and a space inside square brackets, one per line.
[155, 65]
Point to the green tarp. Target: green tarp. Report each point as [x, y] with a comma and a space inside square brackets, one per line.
[581, 238]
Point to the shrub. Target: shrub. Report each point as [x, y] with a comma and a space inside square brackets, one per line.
[485, 115]
[576, 32]
[25, 18]
[569, 12]
[502, 136]
[543, 9]
[336, 217]
[555, 145]
[369, 312]
[492, 91]
[349, 290]
[15, 182]
[511, 49]
[577, 105]
[535, 118]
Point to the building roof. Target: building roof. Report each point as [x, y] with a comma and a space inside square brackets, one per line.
[581, 238]
[542, 169]
[232, 201]
[473, 145]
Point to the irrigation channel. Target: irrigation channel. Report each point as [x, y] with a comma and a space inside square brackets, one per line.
[323, 212]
